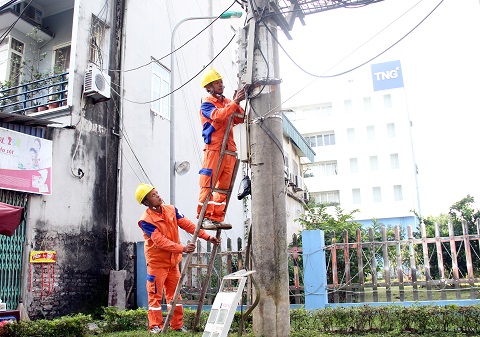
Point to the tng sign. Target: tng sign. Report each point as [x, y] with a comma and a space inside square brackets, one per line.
[387, 75]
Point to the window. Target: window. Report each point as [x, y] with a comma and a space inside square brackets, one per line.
[367, 104]
[353, 165]
[356, 197]
[351, 135]
[321, 139]
[391, 130]
[329, 197]
[397, 193]
[377, 194]
[16, 57]
[62, 58]
[321, 169]
[160, 87]
[394, 161]
[294, 167]
[348, 105]
[98, 43]
[323, 111]
[373, 163]
[370, 132]
[387, 101]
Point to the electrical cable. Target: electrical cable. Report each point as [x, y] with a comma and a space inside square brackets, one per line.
[362, 64]
[8, 4]
[352, 69]
[184, 84]
[173, 51]
[9, 29]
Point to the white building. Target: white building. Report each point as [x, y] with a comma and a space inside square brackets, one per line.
[364, 150]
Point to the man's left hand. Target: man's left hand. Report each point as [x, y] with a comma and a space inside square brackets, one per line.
[214, 240]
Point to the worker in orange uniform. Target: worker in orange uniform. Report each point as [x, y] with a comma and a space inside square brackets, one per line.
[163, 253]
[215, 113]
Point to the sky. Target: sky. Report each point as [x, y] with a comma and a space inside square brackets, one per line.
[441, 70]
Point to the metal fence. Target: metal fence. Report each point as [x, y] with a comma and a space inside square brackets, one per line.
[46, 93]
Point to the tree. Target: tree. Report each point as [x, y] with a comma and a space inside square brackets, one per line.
[460, 211]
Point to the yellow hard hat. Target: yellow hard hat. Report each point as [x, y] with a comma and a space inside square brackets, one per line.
[142, 190]
[210, 76]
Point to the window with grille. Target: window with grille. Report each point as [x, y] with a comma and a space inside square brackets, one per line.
[160, 88]
[98, 43]
[17, 49]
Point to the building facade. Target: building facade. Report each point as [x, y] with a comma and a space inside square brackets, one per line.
[363, 142]
[127, 93]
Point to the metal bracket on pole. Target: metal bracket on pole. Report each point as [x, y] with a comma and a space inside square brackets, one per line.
[250, 51]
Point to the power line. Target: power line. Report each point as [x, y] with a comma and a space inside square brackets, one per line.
[184, 84]
[5, 34]
[173, 51]
[8, 4]
[362, 64]
[352, 69]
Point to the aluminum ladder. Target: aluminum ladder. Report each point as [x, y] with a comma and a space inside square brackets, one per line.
[187, 261]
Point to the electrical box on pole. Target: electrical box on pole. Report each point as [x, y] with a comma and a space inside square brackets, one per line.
[225, 304]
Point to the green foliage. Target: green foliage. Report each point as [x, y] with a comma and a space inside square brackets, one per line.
[124, 320]
[387, 319]
[317, 216]
[461, 211]
[68, 326]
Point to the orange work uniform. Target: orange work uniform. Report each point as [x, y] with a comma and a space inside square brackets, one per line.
[214, 116]
[163, 253]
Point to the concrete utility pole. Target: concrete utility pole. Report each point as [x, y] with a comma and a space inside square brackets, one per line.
[271, 318]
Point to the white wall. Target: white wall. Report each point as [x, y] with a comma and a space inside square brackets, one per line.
[152, 145]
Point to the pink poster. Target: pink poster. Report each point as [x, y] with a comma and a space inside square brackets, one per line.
[25, 162]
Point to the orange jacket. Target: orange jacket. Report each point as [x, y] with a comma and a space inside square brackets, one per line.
[214, 115]
[162, 241]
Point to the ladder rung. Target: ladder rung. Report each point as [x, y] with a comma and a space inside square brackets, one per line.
[218, 190]
[198, 266]
[231, 153]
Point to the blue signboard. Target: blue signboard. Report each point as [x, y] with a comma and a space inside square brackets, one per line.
[387, 75]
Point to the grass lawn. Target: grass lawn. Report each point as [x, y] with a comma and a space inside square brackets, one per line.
[144, 333]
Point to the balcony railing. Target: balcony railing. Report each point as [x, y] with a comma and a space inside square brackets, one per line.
[46, 93]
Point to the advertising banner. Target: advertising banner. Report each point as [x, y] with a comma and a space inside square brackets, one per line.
[25, 162]
[387, 75]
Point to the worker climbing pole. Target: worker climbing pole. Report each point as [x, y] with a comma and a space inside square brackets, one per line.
[218, 115]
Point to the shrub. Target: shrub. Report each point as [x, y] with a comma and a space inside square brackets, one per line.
[67, 326]
[124, 320]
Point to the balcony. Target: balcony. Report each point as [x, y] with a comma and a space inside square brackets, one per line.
[46, 93]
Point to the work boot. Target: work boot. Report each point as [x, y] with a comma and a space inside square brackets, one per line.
[182, 329]
[209, 224]
[155, 329]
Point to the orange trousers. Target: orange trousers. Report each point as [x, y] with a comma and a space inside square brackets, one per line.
[159, 280]
[216, 205]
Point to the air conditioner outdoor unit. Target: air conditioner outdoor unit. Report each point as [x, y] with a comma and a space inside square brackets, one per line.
[291, 179]
[298, 183]
[96, 83]
[34, 13]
